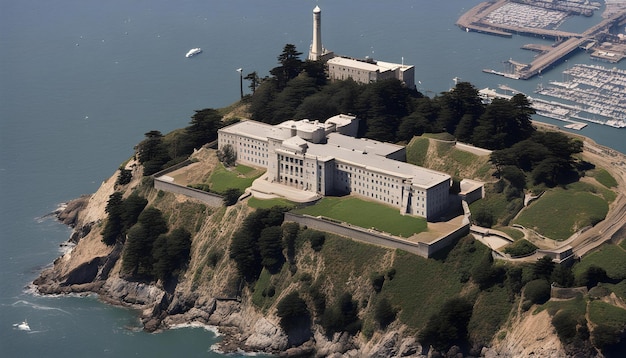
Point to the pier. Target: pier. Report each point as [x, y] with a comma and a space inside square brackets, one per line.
[504, 18]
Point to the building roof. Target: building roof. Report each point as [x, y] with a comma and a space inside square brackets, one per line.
[257, 130]
[362, 144]
[350, 150]
[352, 63]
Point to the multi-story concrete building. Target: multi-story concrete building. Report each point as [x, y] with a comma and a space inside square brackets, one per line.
[326, 158]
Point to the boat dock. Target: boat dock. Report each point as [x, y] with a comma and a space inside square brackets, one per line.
[504, 18]
[599, 94]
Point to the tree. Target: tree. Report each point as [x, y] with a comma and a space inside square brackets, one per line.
[384, 313]
[543, 268]
[449, 326]
[254, 79]
[113, 228]
[537, 291]
[271, 249]
[171, 252]
[292, 311]
[152, 153]
[204, 126]
[592, 276]
[343, 316]
[290, 65]
[231, 196]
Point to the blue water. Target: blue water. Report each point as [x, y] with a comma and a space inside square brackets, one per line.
[81, 81]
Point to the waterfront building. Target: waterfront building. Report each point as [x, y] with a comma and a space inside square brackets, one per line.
[360, 70]
[326, 159]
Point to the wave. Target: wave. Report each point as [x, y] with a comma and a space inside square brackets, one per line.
[24, 303]
[196, 324]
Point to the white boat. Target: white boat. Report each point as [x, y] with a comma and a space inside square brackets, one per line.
[193, 51]
[22, 326]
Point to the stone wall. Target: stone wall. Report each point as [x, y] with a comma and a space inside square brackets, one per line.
[378, 238]
[214, 200]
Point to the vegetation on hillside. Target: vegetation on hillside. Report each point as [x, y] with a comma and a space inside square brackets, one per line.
[311, 279]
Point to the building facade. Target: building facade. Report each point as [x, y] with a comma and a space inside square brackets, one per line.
[326, 158]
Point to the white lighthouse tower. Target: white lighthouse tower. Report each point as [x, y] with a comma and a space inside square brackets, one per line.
[316, 51]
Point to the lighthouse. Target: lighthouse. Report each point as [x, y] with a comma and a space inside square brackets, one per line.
[316, 51]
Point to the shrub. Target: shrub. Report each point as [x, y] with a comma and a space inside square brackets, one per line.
[565, 324]
[449, 326]
[124, 177]
[317, 239]
[231, 195]
[537, 291]
[520, 248]
[377, 282]
[291, 310]
[384, 313]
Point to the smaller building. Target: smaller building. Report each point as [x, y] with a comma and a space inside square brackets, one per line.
[368, 70]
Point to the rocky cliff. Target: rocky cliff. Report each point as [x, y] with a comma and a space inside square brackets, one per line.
[210, 292]
[207, 293]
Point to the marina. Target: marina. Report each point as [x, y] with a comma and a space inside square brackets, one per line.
[542, 19]
[598, 92]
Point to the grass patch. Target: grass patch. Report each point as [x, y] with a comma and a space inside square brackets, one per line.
[577, 306]
[618, 288]
[366, 214]
[421, 286]
[416, 151]
[561, 212]
[440, 136]
[348, 257]
[490, 312]
[604, 178]
[604, 313]
[269, 203]
[514, 233]
[609, 257]
[259, 297]
[240, 177]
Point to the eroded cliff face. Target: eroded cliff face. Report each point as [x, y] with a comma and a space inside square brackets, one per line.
[209, 291]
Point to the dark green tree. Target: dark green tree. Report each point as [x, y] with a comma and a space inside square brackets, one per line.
[537, 291]
[292, 311]
[171, 253]
[204, 126]
[543, 268]
[449, 326]
[271, 248]
[254, 79]
[290, 65]
[384, 313]
[152, 153]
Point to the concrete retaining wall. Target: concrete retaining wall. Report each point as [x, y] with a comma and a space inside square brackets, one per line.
[378, 238]
[210, 199]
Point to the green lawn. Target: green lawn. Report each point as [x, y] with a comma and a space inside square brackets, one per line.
[604, 178]
[561, 212]
[366, 214]
[602, 312]
[609, 257]
[239, 177]
[268, 203]
[421, 286]
[416, 151]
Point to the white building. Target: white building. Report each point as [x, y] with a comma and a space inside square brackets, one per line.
[361, 71]
[326, 159]
[368, 71]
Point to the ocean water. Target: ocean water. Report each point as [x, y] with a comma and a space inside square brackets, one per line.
[81, 81]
